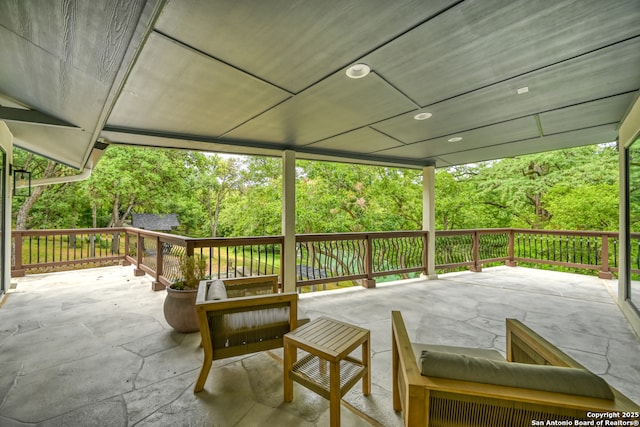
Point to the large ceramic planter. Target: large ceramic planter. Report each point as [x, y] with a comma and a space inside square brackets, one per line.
[180, 310]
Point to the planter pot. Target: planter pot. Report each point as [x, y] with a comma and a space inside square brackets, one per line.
[180, 310]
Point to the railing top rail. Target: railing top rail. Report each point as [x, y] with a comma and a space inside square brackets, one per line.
[359, 235]
[567, 232]
[153, 233]
[316, 236]
[49, 232]
[459, 232]
[529, 231]
[206, 242]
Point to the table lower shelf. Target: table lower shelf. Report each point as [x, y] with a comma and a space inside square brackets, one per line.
[307, 371]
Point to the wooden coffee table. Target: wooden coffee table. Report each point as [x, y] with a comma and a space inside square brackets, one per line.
[327, 341]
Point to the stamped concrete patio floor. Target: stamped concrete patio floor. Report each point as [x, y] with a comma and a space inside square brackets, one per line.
[91, 348]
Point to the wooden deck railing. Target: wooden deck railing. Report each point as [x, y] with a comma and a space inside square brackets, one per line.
[343, 257]
[320, 258]
[39, 250]
[158, 254]
[588, 250]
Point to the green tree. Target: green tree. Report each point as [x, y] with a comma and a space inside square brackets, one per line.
[141, 179]
[217, 178]
[520, 187]
[46, 206]
[340, 197]
[254, 206]
[587, 207]
[398, 199]
[242, 196]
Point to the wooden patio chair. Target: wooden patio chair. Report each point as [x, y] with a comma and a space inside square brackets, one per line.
[242, 315]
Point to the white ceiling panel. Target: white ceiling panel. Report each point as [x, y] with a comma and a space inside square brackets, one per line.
[261, 77]
[594, 113]
[365, 140]
[64, 145]
[514, 130]
[292, 44]
[483, 42]
[333, 106]
[596, 135]
[176, 89]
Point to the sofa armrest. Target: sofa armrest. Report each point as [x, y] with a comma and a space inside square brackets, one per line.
[409, 394]
[526, 346]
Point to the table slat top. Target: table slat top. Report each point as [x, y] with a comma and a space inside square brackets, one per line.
[333, 338]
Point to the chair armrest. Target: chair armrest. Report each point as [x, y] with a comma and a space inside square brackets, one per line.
[201, 296]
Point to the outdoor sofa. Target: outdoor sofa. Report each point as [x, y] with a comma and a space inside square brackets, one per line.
[455, 386]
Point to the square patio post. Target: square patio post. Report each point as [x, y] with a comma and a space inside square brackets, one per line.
[429, 217]
[288, 254]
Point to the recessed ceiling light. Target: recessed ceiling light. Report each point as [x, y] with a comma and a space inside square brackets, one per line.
[357, 71]
[455, 139]
[422, 116]
[522, 90]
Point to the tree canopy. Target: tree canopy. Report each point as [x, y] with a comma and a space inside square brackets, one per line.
[220, 196]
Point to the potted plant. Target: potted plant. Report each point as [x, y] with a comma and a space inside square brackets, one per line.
[179, 304]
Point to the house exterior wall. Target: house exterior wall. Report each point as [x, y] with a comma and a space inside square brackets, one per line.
[629, 131]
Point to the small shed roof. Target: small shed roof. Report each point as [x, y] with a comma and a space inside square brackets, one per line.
[155, 222]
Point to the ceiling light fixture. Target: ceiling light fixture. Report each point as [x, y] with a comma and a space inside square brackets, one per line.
[357, 71]
[422, 116]
[522, 90]
[455, 139]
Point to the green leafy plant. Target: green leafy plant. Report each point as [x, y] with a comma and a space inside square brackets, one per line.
[193, 269]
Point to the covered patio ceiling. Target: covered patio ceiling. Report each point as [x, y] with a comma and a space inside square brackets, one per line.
[256, 77]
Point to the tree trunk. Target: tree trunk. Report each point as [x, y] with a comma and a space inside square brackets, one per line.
[216, 214]
[210, 213]
[23, 214]
[117, 220]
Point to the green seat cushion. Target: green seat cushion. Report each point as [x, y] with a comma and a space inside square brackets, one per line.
[557, 379]
[485, 353]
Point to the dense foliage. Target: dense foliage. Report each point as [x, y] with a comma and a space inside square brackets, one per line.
[242, 196]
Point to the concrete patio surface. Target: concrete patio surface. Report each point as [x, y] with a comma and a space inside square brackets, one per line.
[91, 347]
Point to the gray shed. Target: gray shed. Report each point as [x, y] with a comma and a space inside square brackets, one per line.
[155, 222]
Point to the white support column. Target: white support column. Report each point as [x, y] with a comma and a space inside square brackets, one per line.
[289, 219]
[6, 142]
[429, 216]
